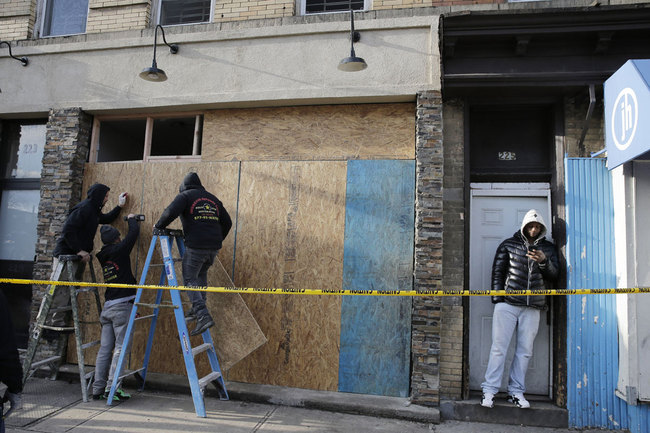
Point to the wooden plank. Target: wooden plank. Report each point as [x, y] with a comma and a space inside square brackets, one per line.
[291, 235]
[326, 132]
[151, 188]
[379, 227]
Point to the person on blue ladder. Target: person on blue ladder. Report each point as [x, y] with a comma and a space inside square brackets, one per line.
[115, 260]
[526, 261]
[205, 225]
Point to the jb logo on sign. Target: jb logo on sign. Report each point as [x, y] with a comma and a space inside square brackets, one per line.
[624, 119]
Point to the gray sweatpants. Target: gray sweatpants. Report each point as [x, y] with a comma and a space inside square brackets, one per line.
[114, 321]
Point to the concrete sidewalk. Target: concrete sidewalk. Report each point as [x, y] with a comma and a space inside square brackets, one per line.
[56, 406]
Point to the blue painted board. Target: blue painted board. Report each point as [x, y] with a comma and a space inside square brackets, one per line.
[377, 254]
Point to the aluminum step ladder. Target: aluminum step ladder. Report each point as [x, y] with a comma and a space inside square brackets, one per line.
[197, 385]
[67, 265]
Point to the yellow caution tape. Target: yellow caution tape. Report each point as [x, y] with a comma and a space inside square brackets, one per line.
[279, 291]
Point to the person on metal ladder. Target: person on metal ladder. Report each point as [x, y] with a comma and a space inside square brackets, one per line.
[205, 224]
[116, 268]
[77, 237]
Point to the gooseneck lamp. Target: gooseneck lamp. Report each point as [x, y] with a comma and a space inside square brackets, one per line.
[22, 60]
[353, 63]
[154, 73]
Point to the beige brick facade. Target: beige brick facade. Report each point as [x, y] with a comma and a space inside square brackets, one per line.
[116, 15]
[238, 10]
[16, 19]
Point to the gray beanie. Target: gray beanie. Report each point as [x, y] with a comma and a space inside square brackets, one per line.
[109, 234]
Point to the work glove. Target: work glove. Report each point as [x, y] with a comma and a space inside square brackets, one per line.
[15, 402]
[122, 200]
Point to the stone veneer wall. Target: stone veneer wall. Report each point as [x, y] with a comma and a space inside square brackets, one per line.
[426, 319]
[66, 151]
[453, 261]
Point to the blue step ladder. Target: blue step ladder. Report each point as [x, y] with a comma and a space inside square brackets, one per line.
[197, 384]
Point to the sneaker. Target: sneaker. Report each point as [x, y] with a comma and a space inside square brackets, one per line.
[487, 400]
[122, 395]
[202, 324]
[104, 396]
[519, 400]
[97, 396]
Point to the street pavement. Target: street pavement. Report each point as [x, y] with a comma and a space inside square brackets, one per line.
[56, 407]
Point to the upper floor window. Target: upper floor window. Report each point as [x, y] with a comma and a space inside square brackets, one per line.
[174, 12]
[146, 138]
[64, 17]
[326, 6]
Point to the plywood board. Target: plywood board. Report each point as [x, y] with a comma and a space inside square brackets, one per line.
[235, 332]
[151, 188]
[291, 224]
[379, 228]
[325, 132]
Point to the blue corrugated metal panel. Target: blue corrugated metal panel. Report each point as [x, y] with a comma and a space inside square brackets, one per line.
[592, 336]
[377, 254]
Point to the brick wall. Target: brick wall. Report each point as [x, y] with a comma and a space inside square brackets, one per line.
[116, 15]
[453, 254]
[403, 4]
[426, 318]
[239, 10]
[16, 19]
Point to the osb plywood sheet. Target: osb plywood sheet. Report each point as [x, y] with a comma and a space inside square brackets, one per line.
[325, 132]
[236, 332]
[291, 226]
[151, 189]
[119, 177]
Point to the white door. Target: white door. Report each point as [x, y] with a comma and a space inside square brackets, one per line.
[497, 211]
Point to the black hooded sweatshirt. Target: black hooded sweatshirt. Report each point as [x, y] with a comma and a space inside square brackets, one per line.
[81, 225]
[205, 221]
[116, 263]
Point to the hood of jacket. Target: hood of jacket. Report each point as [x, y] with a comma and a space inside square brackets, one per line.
[96, 194]
[191, 181]
[533, 216]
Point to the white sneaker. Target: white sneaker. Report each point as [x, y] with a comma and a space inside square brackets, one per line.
[487, 400]
[519, 400]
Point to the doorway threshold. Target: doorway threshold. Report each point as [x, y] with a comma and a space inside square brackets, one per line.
[542, 411]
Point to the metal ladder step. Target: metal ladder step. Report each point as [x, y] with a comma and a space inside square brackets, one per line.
[205, 380]
[131, 372]
[90, 344]
[200, 349]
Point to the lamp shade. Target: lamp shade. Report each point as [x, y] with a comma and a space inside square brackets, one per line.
[153, 74]
[352, 64]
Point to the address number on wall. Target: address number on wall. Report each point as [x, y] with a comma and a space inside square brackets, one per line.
[507, 156]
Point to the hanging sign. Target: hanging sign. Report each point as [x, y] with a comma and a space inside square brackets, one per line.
[627, 112]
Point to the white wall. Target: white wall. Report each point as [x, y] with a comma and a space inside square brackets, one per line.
[273, 65]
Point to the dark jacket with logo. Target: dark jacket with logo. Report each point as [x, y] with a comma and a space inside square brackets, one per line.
[512, 270]
[205, 221]
[80, 227]
[116, 263]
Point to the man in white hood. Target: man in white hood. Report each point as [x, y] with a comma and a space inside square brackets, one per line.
[526, 261]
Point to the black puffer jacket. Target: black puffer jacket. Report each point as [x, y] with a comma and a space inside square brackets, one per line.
[512, 270]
